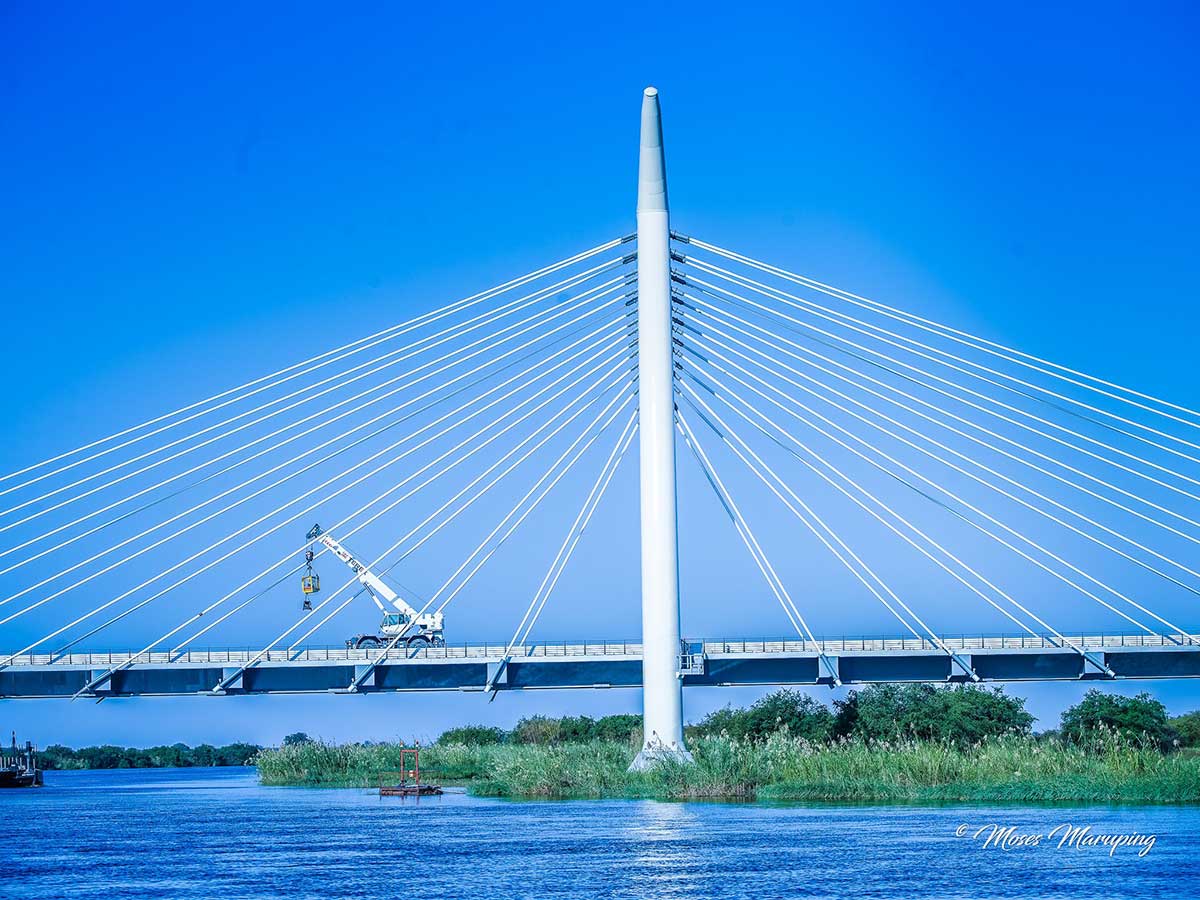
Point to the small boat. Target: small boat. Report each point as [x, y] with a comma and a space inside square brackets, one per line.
[18, 766]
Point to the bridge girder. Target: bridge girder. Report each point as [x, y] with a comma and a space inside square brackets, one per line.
[597, 670]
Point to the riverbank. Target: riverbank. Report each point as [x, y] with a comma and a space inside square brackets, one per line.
[781, 767]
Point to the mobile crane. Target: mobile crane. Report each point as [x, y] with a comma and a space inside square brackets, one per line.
[428, 626]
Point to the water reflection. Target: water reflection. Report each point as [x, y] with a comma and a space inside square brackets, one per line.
[667, 861]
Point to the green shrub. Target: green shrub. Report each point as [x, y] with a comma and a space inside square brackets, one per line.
[963, 714]
[473, 735]
[960, 715]
[792, 711]
[625, 728]
[536, 730]
[575, 729]
[1188, 728]
[1101, 717]
[544, 731]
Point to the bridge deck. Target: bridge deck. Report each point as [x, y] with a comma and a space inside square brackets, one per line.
[470, 667]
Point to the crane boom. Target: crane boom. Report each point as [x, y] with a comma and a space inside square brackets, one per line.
[375, 585]
[428, 626]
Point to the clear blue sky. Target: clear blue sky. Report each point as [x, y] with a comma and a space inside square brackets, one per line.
[194, 196]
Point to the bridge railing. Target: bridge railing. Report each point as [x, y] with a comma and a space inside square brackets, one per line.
[241, 656]
[954, 642]
[484, 651]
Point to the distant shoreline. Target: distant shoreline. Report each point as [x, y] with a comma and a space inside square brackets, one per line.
[58, 757]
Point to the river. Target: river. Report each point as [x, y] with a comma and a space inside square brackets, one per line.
[216, 833]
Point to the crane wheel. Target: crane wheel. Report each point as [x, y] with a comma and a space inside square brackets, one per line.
[368, 641]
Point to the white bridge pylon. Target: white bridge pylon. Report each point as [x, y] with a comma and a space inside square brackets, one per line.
[662, 689]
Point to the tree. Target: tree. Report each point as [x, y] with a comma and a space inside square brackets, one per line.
[169, 757]
[963, 714]
[104, 757]
[1140, 719]
[536, 730]
[966, 714]
[575, 730]
[297, 738]
[56, 756]
[236, 754]
[1187, 727]
[624, 727]
[845, 719]
[720, 721]
[797, 713]
[473, 736]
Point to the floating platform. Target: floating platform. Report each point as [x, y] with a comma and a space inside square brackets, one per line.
[410, 790]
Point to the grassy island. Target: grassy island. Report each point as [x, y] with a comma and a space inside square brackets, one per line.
[910, 743]
[780, 767]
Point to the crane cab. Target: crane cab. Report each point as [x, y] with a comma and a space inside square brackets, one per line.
[393, 622]
[429, 627]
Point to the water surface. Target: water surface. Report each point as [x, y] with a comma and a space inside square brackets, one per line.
[207, 833]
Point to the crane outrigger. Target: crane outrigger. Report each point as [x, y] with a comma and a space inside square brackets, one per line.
[398, 616]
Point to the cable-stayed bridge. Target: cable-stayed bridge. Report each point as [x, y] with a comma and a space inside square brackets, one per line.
[868, 426]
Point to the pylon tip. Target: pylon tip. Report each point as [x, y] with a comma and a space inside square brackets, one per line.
[652, 169]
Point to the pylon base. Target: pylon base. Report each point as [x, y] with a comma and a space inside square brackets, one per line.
[649, 757]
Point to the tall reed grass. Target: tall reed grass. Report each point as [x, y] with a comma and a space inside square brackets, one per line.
[780, 767]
